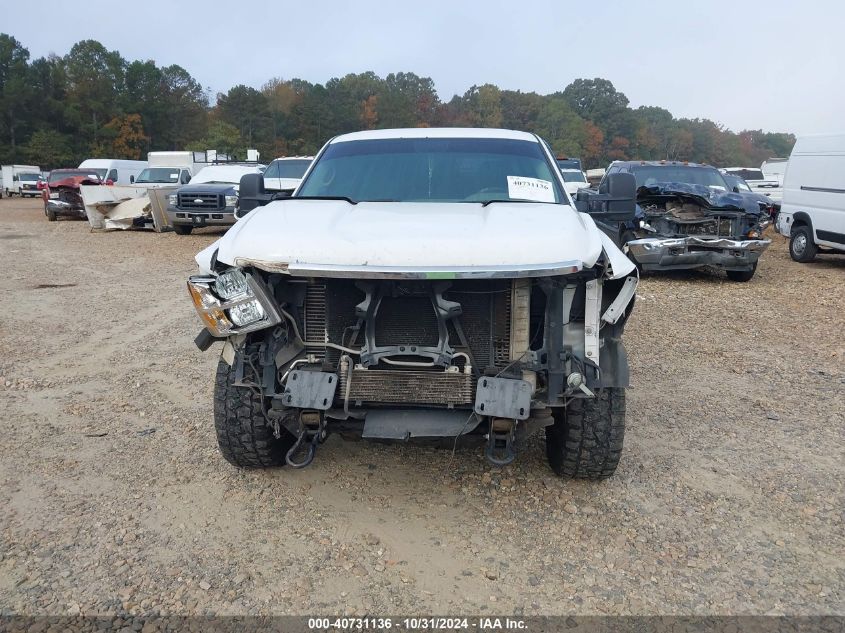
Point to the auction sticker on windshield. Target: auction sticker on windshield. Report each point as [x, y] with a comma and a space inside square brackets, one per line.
[523, 188]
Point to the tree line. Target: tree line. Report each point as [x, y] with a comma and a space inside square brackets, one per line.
[57, 111]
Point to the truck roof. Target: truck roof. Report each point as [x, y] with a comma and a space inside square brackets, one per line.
[435, 132]
[661, 163]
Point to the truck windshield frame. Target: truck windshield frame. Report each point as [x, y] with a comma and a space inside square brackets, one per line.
[428, 170]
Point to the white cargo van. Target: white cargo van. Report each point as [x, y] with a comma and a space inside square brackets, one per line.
[813, 211]
[120, 172]
[21, 180]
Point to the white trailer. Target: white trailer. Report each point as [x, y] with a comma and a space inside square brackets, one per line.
[21, 180]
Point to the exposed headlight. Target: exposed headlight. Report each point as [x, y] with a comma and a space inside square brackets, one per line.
[233, 303]
[246, 313]
[231, 201]
[171, 200]
[231, 284]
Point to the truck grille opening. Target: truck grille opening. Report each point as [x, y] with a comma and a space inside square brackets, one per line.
[406, 317]
[190, 201]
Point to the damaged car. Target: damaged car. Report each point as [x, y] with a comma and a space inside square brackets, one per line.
[688, 218]
[421, 285]
[61, 193]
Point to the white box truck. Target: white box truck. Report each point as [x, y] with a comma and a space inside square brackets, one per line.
[175, 168]
[21, 180]
[812, 215]
[119, 172]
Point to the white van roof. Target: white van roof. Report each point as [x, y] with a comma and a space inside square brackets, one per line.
[833, 144]
[106, 163]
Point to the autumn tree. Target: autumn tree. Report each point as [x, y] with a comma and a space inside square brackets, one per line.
[127, 138]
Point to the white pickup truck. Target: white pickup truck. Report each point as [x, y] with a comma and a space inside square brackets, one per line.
[771, 187]
[431, 285]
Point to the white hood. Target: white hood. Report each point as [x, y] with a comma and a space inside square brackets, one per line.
[327, 237]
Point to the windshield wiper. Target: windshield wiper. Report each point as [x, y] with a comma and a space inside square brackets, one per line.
[486, 202]
[349, 200]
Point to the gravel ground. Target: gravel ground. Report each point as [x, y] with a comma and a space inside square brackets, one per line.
[729, 497]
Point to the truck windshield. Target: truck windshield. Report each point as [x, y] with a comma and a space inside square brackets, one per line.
[287, 168]
[159, 174]
[434, 170]
[30, 177]
[737, 182]
[570, 175]
[648, 175]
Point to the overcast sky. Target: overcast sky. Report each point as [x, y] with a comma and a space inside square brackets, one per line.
[777, 65]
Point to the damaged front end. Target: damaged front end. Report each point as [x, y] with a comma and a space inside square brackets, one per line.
[404, 357]
[62, 197]
[682, 226]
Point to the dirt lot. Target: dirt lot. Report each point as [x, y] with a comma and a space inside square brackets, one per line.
[729, 498]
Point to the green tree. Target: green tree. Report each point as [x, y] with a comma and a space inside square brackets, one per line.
[49, 149]
[223, 137]
[246, 108]
[15, 93]
[95, 79]
[564, 130]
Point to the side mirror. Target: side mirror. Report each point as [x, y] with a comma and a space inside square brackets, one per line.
[131, 179]
[735, 189]
[616, 199]
[251, 194]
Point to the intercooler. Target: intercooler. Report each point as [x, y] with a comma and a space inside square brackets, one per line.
[397, 386]
[406, 317]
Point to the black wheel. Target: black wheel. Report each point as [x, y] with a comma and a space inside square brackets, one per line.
[51, 215]
[586, 439]
[183, 229]
[802, 248]
[742, 275]
[244, 435]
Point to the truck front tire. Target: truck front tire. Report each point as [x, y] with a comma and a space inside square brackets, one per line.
[183, 229]
[244, 434]
[586, 439]
[742, 275]
[51, 215]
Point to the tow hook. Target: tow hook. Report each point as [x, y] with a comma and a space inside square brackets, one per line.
[500, 449]
[312, 431]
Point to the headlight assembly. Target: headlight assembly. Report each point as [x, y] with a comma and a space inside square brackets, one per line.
[171, 199]
[231, 201]
[233, 303]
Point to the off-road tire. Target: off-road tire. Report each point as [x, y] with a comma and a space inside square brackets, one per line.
[51, 215]
[244, 435]
[182, 229]
[742, 275]
[586, 439]
[810, 248]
